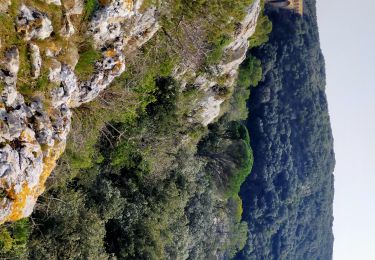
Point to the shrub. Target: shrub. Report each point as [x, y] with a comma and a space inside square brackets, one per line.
[263, 29]
[13, 239]
[250, 73]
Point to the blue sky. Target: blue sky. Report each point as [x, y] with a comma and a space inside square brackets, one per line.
[347, 34]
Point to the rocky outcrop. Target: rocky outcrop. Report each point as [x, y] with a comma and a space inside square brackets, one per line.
[208, 109]
[32, 24]
[67, 29]
[36, 60]
[32, 135]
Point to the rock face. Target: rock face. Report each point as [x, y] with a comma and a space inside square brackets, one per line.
[33, 136]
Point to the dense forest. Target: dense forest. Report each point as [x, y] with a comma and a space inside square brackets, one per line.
[288, 196]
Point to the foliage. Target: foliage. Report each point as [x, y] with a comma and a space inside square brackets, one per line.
[215, 20]
[262, 30]
[42, 83]
[218, 50]
[70, 229]
[287, 199]
[230, 157]
[138, 211]
[13, 239]
[89, 8]
[250, 73]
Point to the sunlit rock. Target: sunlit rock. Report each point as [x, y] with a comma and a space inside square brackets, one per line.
[4, 5]
[36, 60]
[32, 24]
[55, 2]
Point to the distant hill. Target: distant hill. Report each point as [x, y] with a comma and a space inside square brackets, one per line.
[288, 196]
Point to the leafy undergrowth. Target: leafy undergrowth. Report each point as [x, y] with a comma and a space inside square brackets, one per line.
[13, 239]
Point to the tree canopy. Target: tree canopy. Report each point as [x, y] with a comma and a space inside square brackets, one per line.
[288, 196]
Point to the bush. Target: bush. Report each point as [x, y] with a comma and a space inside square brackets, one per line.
[13, 239]
[263, 29]
[230, 157]
[250, 73]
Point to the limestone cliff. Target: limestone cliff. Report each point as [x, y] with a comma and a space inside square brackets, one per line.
[234, 55]
[34, 129]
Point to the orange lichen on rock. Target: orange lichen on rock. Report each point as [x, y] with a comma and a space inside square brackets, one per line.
[128, 4]
[49, 163]
[19, 202]
[20, 199]
[110, 53]
[118, 66]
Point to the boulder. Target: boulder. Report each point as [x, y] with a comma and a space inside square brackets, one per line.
[33, 24]
[107, 24]
[9, 77]
[74, 7]
[67, 28]
[210, 108]
[54, 71]
[36, 60]
[69, 83]
[55, 2]
[145, 26]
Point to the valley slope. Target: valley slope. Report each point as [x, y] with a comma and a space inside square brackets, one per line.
[288, 196]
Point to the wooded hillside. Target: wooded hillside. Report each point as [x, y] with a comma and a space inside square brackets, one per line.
[288, 196]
